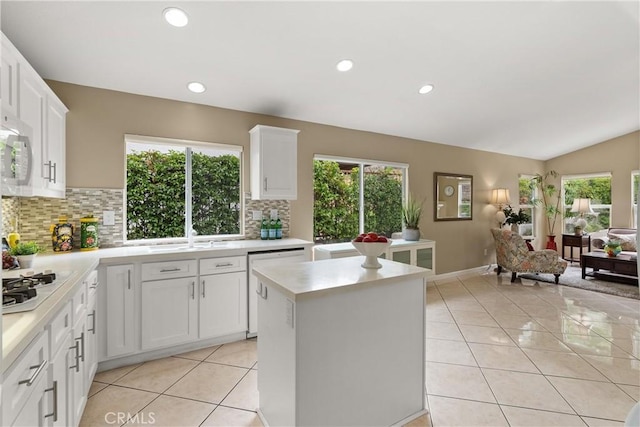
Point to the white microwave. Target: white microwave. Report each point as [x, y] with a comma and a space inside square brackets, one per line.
[16, 161]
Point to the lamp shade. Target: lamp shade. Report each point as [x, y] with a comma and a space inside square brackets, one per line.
[500, 196]
[582, 206]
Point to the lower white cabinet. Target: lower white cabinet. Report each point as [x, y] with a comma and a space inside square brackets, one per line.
[223, 304]
[79, 380]
[169, 310]
[34, 411]
[60, 384]
[91, 341]
[117, 304]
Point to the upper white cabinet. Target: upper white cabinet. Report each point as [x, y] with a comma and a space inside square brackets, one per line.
[8, 80]
[31, 108]
[274, 163]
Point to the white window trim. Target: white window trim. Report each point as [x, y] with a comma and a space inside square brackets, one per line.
[152, 140]
[360, 163]
[634, 206]
[534, 210]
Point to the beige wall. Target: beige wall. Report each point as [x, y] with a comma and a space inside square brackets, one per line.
[98, 119]
[620, 156]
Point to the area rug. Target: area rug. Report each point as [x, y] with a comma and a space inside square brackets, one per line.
[573, 277]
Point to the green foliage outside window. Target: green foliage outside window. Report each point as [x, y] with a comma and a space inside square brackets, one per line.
[156, 194]
[598, 189]
[336, 201]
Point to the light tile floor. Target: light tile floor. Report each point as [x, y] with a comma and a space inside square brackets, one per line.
[498, 354]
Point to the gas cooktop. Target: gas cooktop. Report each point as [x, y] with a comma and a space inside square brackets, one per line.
[27, 291]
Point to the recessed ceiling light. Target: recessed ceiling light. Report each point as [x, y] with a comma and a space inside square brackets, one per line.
[176, 17]
[196, 87]
[425, 89]
[345, 65]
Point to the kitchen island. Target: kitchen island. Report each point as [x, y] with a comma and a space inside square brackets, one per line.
[341, 345]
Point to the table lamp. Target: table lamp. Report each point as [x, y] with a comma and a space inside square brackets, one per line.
[500, 197]
[581, 206]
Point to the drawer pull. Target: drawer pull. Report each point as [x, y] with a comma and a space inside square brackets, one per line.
[76, 347]
[169, 270]
[54, 389]
[203, 289]
[38, 369]
[81, 339]
[128, 279]
[226, 264]
[193, 290]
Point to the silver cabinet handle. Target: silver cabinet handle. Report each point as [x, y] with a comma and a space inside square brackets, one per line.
[128, 279]
[226, 264]
[76, 356]
[203, 289]
[259, 291]
[54, 389]
[193, 290]
[169, 270]
[93, 325]
[265, 292]
[265, 183]
[55, 175]
[262, 292]
[81, 339]
[48, 164]
[38, 369]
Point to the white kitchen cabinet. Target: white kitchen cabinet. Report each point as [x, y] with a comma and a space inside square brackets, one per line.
[32, 103]
[60, 384]
[118, 310]
[421, 253]
[223, 304]
[23, 385]
[169, 314]
[8, 80]
[79, 381]
[53, 150]
[91, 344]
[274, 163]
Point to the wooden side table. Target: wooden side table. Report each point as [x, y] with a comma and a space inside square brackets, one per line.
[573, 241]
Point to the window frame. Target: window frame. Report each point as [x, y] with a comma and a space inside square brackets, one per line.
[367, 162]
[532, 206]
[188, 145]
[635, 196]
[564, 178]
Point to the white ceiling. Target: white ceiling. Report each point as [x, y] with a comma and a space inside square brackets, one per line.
[532, 79]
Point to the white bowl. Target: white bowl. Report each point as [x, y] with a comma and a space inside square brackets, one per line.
[371, 250]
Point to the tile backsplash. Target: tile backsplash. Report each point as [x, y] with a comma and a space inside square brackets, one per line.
[35, 215]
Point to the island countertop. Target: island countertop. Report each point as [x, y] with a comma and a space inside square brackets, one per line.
[306, 279]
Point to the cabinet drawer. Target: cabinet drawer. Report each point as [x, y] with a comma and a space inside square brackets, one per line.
[59, 328]
[20, 378]
[223, 265]
[168, 269]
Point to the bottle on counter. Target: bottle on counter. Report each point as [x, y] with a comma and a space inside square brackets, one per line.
[278, 229]
[264, 229]
[272, 229]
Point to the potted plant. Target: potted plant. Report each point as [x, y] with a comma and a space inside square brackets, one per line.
[514, 219]
[612, 247]
[25, 252]
[549, 199]
[411, 212]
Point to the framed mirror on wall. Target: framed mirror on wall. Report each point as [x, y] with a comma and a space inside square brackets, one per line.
[453, 196]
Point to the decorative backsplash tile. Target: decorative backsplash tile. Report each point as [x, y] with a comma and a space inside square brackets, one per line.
[35, 215]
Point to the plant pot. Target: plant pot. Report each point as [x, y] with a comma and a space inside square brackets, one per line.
[551, 243]
[514, 228]
[26, 261]
[411, 234]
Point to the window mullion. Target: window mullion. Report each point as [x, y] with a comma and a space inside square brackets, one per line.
[361, 197]
[188, 199]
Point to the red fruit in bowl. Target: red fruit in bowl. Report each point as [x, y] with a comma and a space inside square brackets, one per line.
[358, 239]
[382, 239]
[373, 236]
[362, 235]
[368, 240]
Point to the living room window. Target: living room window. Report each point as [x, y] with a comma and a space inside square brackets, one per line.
[525, 196]
[176, 185]
[635, 188]
[596, 187]
[352, 196]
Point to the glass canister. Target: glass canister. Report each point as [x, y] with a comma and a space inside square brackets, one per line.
[88, 233]
[62, 235]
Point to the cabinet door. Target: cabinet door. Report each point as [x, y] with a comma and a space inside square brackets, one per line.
[53, 153]
[34, 411]
[274, 163]
[223, 304]
[424, 258]
[8, 81]
[31, 111]
[91, 342]
[169, 312]
[79, 383]
[403, 256]
[119, 310]
[60, 385]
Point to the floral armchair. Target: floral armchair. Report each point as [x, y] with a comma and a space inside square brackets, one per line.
[512, 254]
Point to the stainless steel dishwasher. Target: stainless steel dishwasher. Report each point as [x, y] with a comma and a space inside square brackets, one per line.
[275, 257]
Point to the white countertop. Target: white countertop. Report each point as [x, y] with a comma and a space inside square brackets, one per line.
[18, 329]
[312, 278]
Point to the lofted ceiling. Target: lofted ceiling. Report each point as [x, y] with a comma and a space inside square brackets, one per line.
[532, 79]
